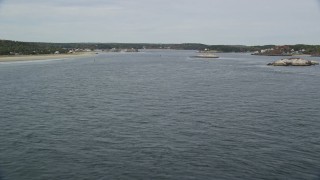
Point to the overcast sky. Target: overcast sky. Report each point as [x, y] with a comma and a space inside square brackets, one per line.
[246, 22]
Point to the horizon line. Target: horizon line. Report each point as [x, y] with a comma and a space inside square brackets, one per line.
[83, 42]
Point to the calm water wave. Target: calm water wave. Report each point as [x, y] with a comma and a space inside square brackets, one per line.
[159, 115]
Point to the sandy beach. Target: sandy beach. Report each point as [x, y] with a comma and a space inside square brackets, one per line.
[43, 57]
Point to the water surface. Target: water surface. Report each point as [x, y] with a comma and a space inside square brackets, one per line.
[159, 115]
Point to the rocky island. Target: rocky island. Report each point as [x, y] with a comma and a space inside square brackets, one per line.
[293, 62]
[205, 55]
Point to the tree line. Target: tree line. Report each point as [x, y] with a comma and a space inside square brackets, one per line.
[8, 47]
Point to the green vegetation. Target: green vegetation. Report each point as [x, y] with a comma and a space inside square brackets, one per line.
[8, 47]
[26, 48]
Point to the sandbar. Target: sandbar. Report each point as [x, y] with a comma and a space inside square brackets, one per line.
[44, 57]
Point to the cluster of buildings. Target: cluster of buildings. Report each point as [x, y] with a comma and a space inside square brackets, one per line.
[122, 50]
[101, 50]
[280, 51]
[70, 51]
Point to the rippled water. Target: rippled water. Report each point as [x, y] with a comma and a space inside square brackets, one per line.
[159, 115]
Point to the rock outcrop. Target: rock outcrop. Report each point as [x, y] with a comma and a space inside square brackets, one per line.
[293, 62]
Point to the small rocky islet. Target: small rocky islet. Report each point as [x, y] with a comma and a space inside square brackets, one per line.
[293, 62]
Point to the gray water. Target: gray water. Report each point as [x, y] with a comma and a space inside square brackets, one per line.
[159, 115]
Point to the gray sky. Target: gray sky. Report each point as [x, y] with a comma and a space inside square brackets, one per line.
[247, 22]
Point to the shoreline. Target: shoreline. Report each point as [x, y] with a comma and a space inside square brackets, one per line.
[43, 57]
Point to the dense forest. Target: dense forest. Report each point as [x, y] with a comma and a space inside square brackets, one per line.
[8, 47]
